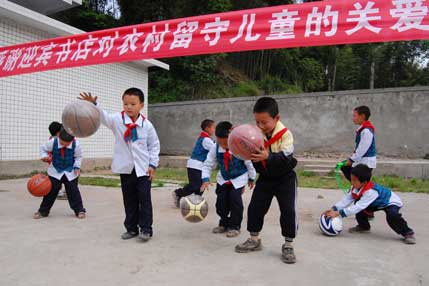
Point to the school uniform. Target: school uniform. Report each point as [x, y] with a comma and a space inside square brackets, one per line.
[232, 177]
[276, 179]
[61, 170]
[136, 149]
[373, 197]
[195, 165]
[365, 149]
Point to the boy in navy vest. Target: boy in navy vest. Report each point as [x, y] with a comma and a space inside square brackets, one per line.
[64, 169]
[135, 158]
[366, 195]
[195, 163]
[275, 165]
[54, 130]
[231, 179]
[365, 150]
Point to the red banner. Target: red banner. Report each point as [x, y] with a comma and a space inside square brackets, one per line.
[298, 25]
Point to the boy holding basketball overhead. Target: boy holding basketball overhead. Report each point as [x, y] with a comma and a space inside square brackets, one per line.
[232, 177]
[275, 164]
[195, 163]
[135, 158]
[64, 169]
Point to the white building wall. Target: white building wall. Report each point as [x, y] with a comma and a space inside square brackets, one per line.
[30, 102]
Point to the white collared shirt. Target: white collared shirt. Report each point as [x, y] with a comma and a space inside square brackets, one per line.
[44, 152]
[198, 165]
[138, 155]
[238, 182]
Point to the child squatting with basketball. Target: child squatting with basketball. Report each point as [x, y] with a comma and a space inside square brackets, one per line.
[195, 163]
[366, 195]
[64, 168]
[275, 164]
[135, 158]
[232, 178]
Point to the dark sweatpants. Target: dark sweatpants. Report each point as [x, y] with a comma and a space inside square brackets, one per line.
[229, 206]
[194, 185]
[285, 190]
[136, 192]
[72, 191]
[393, 217]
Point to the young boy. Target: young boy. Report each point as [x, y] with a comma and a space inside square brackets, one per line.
[63, 169]
[277, 178]
[231, 179]
[365, 150]
[54, 130]
[195, 163]
[364, 195]
[135, 158]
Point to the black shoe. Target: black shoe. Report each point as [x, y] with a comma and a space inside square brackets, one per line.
[145, 236]
[129, 235]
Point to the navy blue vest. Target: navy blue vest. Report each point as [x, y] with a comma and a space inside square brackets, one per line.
[61, 163]
[199, 153]
[383, 199]
[236, 167]
[372, 149]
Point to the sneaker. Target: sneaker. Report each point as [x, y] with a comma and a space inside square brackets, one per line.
[38, 215]
[288, 255]
[145, 236]
[62, 195]
[409, 239]
[129, 235]
[358, 229]
[232, 233]
[219, 229]
[248, 246]
[176, 199]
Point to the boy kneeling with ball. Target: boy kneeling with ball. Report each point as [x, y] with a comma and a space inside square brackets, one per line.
[366, 195]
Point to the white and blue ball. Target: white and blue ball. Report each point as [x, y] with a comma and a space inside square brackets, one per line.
[330, 226]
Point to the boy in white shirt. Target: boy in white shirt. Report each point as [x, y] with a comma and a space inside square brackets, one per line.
[65, 156]
[135, 158]
[231, 179]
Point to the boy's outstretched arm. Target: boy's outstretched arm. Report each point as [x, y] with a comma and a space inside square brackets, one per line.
[367, 198]
[45, 149]
[106, 118]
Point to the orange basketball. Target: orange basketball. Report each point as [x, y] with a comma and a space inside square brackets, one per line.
[244, 140]
[39, 185]
[81, 118]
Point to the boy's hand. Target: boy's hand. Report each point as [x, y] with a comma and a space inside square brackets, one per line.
[77, 172]
[46, 159]
[88, 97]
[151, 173]
[251, 184]
[205, 186]
[349, 163]
[260, 155]
[332, 213]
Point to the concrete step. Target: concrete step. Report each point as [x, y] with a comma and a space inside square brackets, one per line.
[319, 172]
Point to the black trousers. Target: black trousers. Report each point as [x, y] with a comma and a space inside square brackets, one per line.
[136, 193]
[72, 191]
[285, 191]
[229, 206]
[393, 217]
[347, 171]
[194, 185]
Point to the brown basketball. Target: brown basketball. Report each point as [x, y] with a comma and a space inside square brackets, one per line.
[244, 140]
[39, 185]
[81, 118]
[194, 208]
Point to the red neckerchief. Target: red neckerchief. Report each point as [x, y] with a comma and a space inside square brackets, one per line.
[366, 124]
[63, 149]
[204, 134]
[226, 158]
[362, 190]
[273, 140]
[130, 126]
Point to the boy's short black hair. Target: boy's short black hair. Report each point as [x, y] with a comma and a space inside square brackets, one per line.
[54, 128]
[222, 129]
[266, 104]
[134, 91]
[206, 123]
[363, 109]
[362, 172]
[65, 136]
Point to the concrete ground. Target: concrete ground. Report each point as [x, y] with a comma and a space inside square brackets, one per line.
[62, 250]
